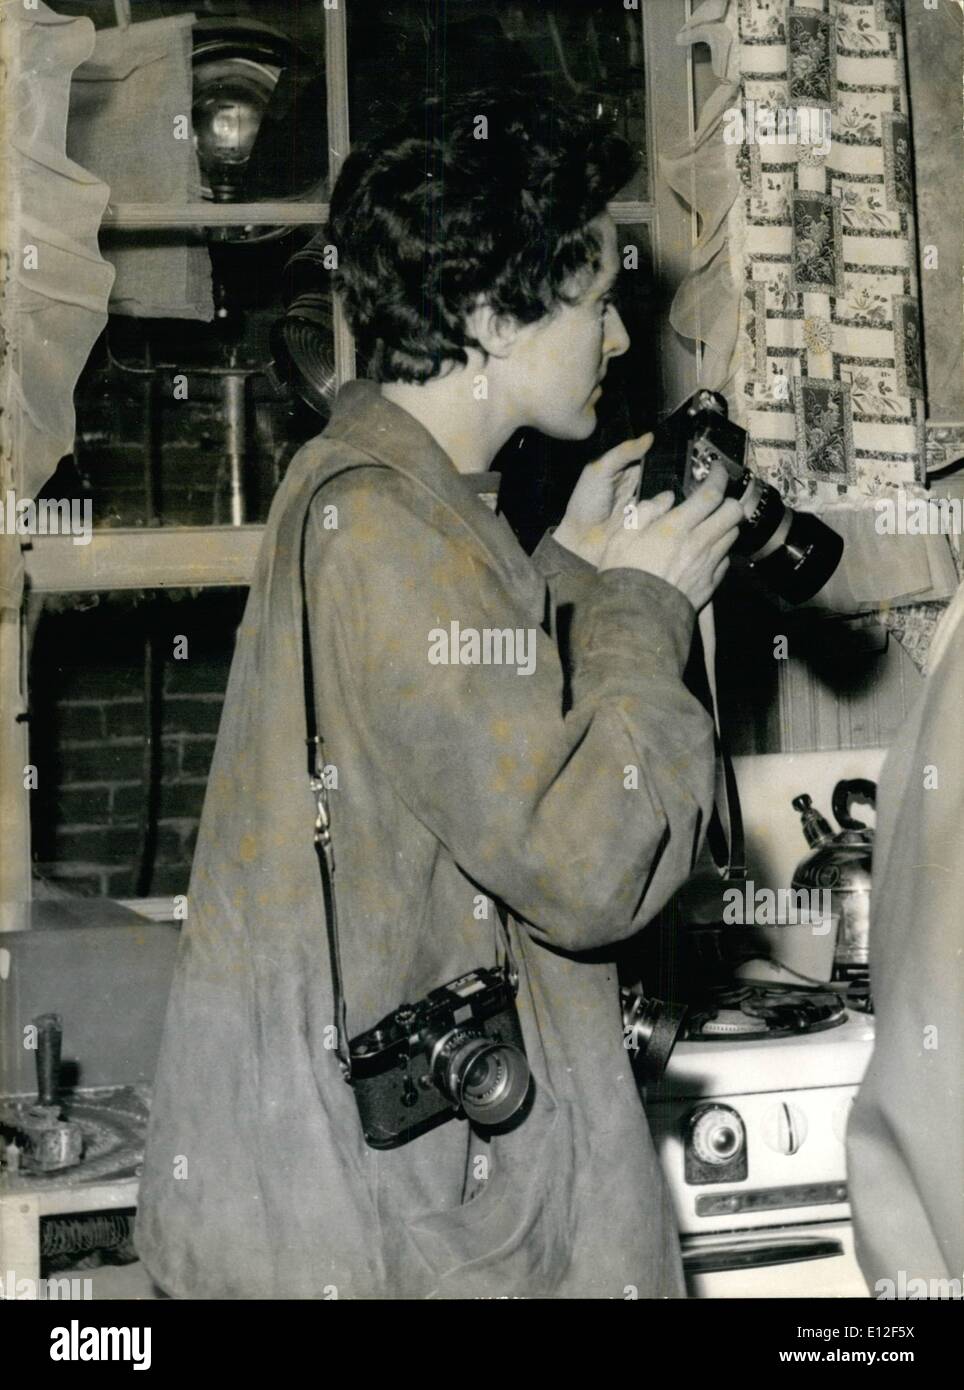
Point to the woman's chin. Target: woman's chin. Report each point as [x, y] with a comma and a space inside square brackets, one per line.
[574, 425]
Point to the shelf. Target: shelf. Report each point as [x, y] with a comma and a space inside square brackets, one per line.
[147, 216]
[161, 557]
[134, 216]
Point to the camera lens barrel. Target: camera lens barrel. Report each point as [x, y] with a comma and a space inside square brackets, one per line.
[801, 566]
[765, 513]
[485, 1078]
[794, 553]
[653, 1026]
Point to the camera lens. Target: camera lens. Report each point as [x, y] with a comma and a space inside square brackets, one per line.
[488, 1080]
[794, 553]
[652, 1027]
[483, 1074]
[801, 566]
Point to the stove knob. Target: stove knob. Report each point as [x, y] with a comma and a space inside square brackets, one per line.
[718, 1135]
[784, 1128]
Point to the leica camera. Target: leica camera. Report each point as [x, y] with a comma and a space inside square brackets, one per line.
[794, 553]
[459, 1053]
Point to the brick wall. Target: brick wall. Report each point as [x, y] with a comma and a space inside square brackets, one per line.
[87, 677]
[88, 736]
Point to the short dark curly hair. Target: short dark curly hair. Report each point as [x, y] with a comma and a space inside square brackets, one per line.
[488, 196]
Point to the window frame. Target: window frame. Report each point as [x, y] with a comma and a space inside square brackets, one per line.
[164, 557]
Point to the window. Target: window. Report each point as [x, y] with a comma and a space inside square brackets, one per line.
[182, 483]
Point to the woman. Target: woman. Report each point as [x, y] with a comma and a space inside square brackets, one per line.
[476, 267]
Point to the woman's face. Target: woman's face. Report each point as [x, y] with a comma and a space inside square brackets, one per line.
[558, 363]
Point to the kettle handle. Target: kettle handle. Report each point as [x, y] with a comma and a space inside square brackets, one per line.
[845, 793]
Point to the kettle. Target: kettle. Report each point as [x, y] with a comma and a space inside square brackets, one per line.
[841, 862]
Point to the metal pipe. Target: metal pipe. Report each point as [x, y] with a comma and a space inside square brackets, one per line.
[235, 415]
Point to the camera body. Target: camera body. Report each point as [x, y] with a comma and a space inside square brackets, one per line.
[457, 1052]
[795, 553]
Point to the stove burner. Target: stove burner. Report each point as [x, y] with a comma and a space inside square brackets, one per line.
[763, 1011]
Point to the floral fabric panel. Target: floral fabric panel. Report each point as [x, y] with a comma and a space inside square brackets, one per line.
[829, 374]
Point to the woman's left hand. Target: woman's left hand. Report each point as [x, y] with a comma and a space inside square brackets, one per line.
[605, 488]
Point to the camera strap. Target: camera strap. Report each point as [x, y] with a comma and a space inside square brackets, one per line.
[509, 966]
[324, 847]
[318, 782]
[726, 842]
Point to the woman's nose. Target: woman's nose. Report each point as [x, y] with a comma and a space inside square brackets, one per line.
[617, 339]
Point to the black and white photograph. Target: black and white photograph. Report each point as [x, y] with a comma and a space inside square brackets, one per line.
[482, 662]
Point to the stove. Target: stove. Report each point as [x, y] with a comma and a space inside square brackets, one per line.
[750, 1121]
[741, 1011]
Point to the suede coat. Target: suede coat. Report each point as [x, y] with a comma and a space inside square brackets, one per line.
[574, 791]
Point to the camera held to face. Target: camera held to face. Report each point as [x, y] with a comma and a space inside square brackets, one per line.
[458, 1052]
[794, 553]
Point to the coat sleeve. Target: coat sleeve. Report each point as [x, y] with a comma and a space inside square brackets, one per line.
[569, 580]
[585, 821]
[559, 566]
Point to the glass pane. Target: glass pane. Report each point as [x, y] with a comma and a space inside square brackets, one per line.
[589, 51]
[259, 90]
[185, 423]
[539, 473]
[125, 698]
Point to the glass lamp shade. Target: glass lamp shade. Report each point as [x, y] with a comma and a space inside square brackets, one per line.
[231, 98]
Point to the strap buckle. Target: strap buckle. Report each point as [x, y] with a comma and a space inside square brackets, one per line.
[319, 789]
[323, 814]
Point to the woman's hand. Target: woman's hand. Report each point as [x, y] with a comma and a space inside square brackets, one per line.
[686, 545]
[599, 498]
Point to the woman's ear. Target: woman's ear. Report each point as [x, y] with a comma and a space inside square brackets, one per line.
[495, 333]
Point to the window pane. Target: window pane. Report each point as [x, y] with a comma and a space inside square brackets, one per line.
[589, 51]
[180, 421]
[259, 78]
[184, 423]
[126, 694]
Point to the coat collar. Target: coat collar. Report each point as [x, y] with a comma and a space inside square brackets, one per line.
[364, 419]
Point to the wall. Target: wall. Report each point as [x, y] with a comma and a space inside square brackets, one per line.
[89, 737]
[87, 675]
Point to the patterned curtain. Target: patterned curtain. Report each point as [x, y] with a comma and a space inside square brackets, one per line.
[821, 354]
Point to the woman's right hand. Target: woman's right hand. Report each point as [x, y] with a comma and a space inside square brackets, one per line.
[686, 545]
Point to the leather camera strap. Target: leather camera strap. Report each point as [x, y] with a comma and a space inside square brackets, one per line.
[726, 841]
[324, 847]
